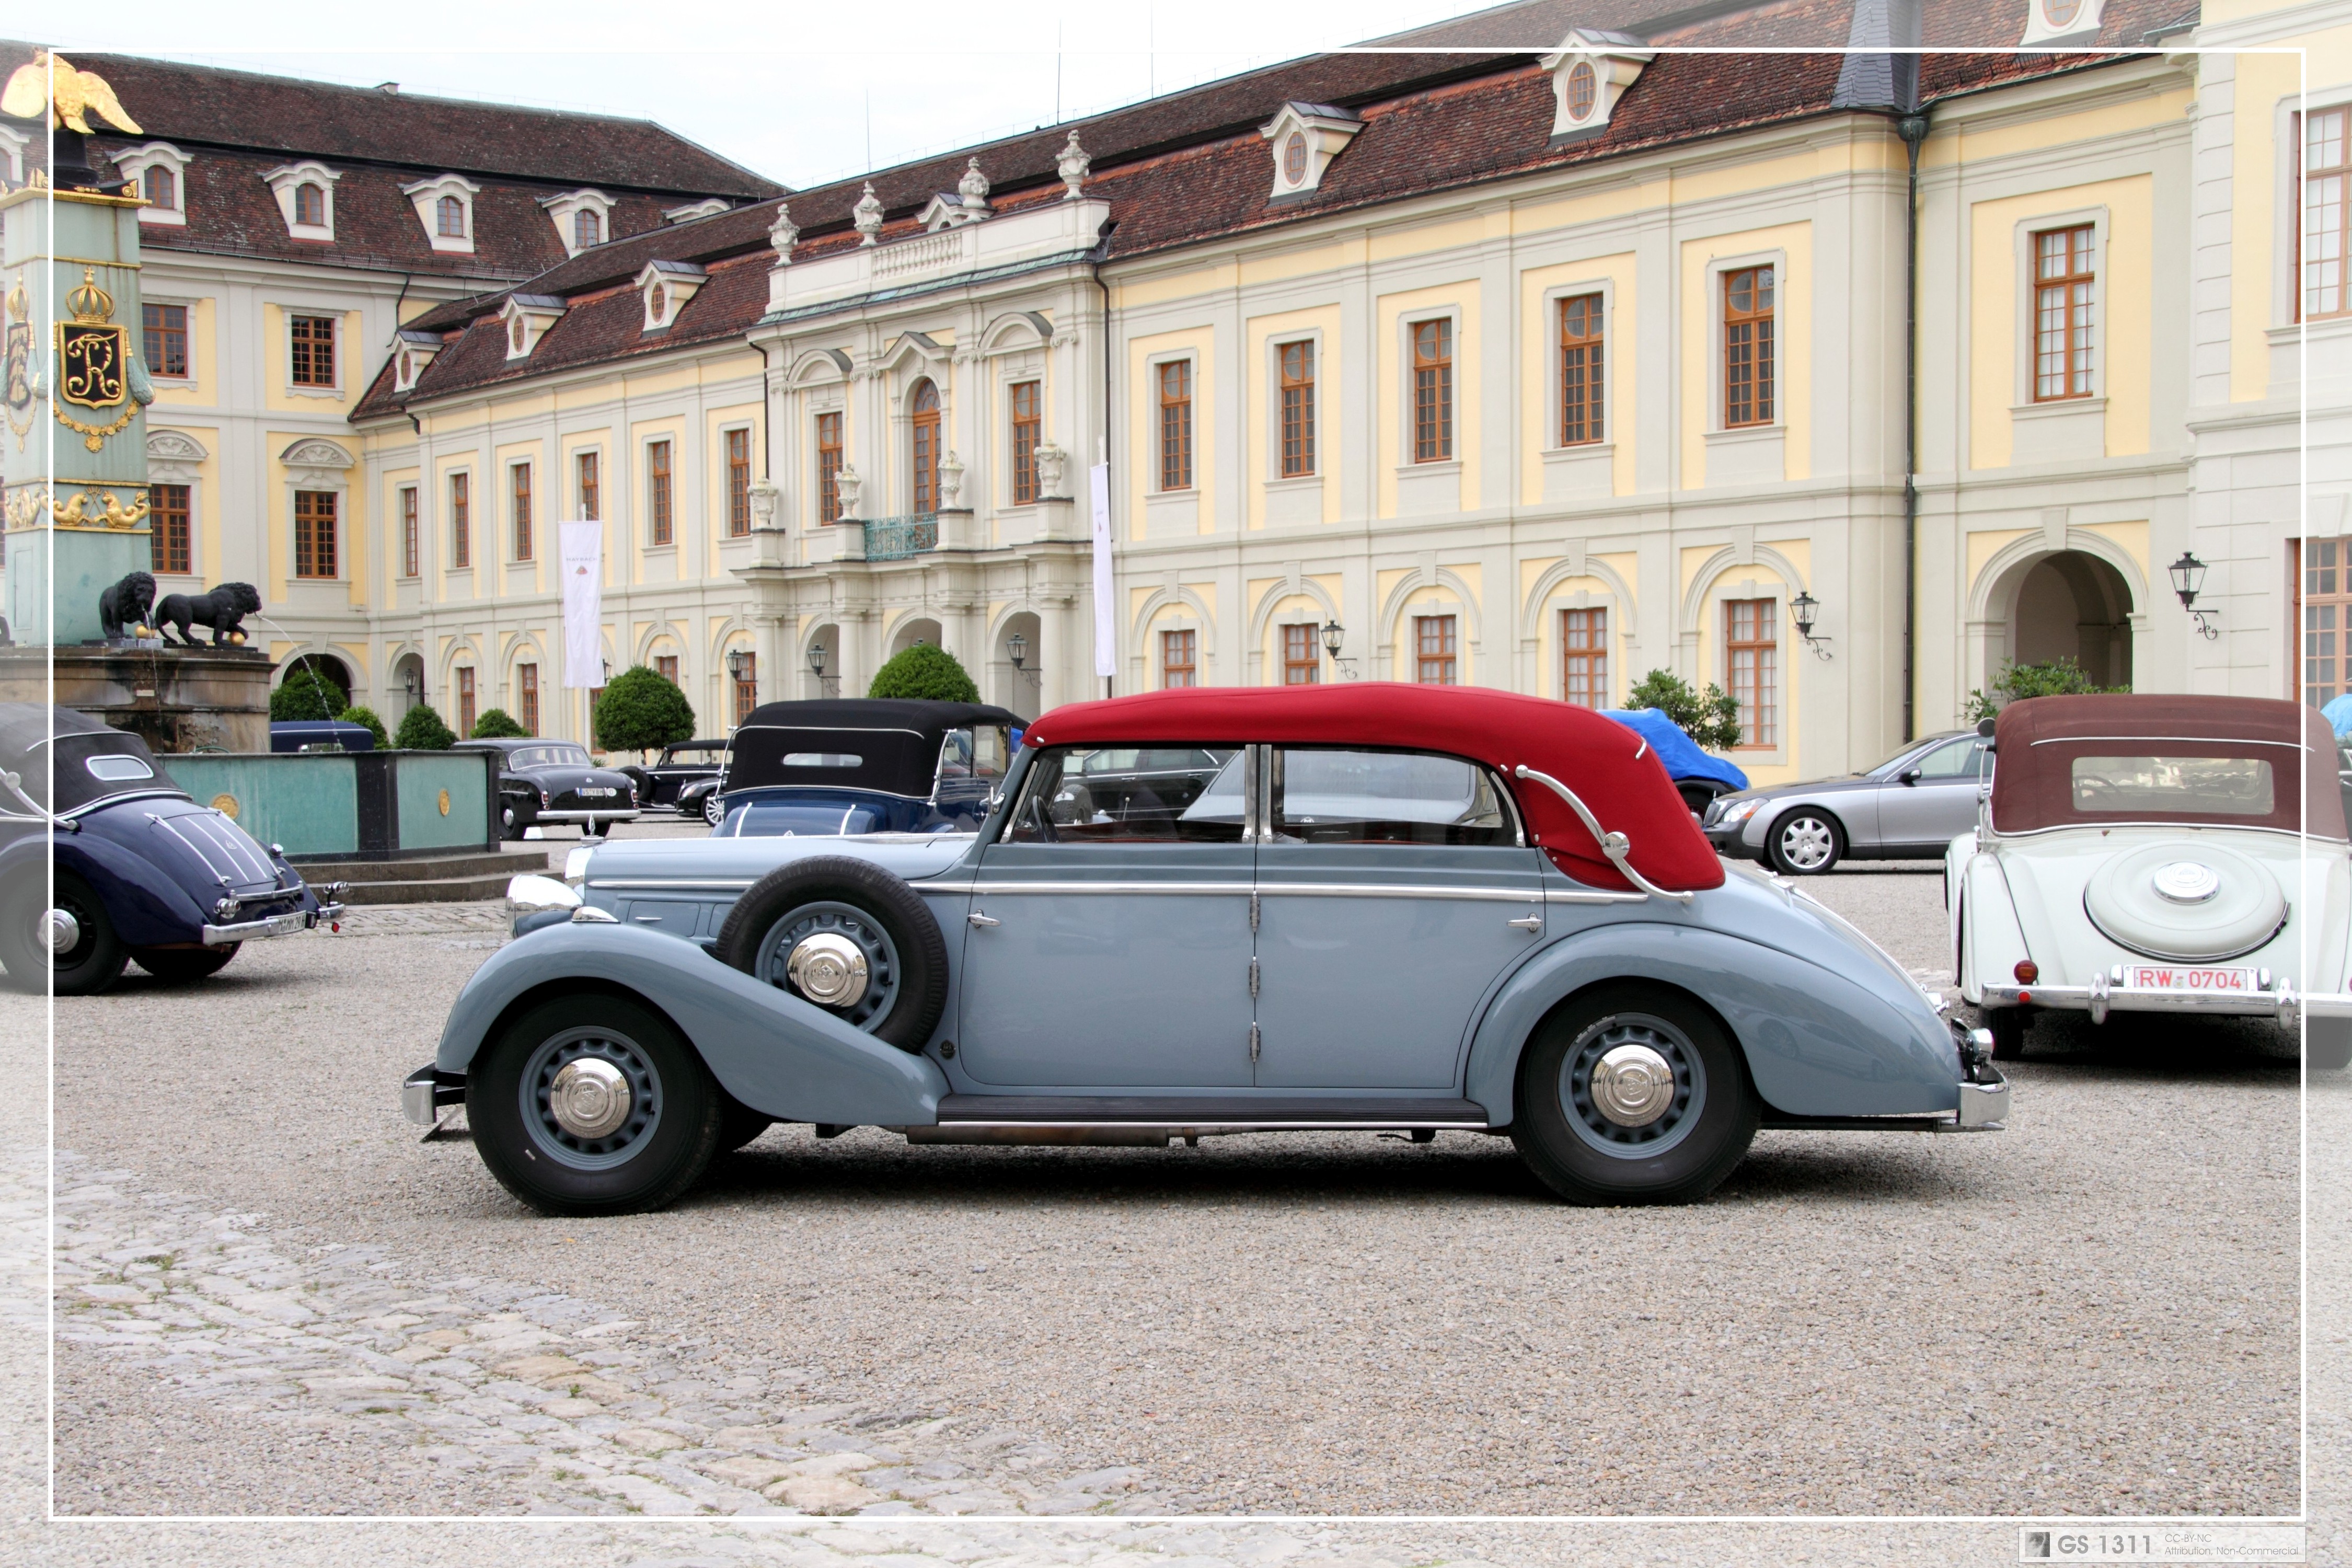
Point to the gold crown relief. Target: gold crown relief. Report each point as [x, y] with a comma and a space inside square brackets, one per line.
[87, 301]
[20, 304]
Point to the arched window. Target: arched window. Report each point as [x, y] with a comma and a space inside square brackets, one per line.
[451, 213]
[587, 229]
[162, 188]
[310, 204]
[926, 405]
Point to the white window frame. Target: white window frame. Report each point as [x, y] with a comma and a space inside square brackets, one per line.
[2287, 116]
[333, 392]
[1556, 641]
[133, 163]
[1716, 387]
[1405, 322]
[424, 531]
[645, 497]
[445, 544]
[2021, 398]
[2039, 29]
[571, 456]
[1552, 299]
[507, 557]
[750, 428]
[189, 380]
[560, 209]
[184, 468]
[283, 182]
[1151, 364]
[1275, 343]
[425, 195]
[1718, 634]
[1027, 363]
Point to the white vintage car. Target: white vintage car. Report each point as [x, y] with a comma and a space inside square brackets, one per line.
[2157, 854]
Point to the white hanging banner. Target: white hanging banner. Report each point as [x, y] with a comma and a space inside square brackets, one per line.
[1106, 622]
[583, 604]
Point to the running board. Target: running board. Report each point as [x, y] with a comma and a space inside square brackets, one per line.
[1153, 1121]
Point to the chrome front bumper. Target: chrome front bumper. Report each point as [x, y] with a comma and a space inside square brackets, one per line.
[618, 814]
[2279, 1002]
[288, 925]
[426, 1090]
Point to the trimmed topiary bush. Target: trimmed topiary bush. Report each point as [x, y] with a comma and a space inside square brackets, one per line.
[2058, 677]
[641, 710]
[421, 729]
[305, 694]
[366, 719]
[925, 673]
[498, 724]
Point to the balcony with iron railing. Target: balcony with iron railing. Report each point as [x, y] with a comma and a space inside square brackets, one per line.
[899, 538]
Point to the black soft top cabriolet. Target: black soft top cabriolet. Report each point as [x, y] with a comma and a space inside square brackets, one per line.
[856, 765]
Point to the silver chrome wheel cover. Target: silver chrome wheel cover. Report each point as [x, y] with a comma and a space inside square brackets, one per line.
[710, 812]
[56, 932]
[845, 924]
[1807, 843]
[590, 1098]
[1633, 1086]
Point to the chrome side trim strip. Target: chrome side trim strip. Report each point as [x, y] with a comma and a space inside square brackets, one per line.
[1234, 890]
[1304, 891]
[1400, 891]
[669, 884]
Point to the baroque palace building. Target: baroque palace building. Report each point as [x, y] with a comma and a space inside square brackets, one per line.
[1537, 353]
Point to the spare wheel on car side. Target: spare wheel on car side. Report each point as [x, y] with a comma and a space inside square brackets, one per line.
[848, 936]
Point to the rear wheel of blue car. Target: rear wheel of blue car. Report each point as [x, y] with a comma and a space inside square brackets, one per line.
[593, 1105]
[85, 955]
[848, 936]
[1632, 1093]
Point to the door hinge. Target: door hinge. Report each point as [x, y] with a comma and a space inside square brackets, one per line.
[1253, 979]
[1253, 1045]
[1252, 910]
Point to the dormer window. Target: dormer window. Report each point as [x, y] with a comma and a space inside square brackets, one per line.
[445, 211]
[1589, 72]
[2048, 21]
[527, 318]
[693, 210]
[583, 219]
[413, 355]
[306, 196]
[1305, 138]
[665, 287]
[159, 170]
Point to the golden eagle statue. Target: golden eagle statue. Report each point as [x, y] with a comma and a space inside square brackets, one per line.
[77, 91]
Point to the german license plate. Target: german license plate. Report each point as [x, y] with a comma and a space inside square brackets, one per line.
[598, 790]
[2186, 977]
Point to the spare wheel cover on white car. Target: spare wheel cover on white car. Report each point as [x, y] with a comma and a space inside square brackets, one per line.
[2188, 899]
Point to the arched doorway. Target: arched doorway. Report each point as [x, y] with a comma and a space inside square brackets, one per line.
[821, 663]
[924, 407]
[912, 630]
[2074, 606]
[328, 667]
[1018, 685]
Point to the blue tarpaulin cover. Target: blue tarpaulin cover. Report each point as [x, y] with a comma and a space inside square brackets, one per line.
[1678, 752]
[2338, 714]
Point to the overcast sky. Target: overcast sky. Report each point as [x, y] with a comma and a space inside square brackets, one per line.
[794, 91]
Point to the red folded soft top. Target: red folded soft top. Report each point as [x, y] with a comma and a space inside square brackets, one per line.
[1610, 768]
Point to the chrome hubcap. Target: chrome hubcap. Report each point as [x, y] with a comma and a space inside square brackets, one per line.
[1806, 842]
[590, 1098]
[827, 969]
[59, 931]
[1633, 1085]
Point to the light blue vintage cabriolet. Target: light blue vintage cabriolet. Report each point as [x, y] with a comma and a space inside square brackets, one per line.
[1362, 907]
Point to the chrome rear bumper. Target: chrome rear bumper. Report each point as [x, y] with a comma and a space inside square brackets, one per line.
[618, 814]
[288, 925]
[2279, 1002]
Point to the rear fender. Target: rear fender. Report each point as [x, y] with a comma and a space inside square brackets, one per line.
[147, 905]
[1816, 1043]
[1989, 939]
[776, 1053]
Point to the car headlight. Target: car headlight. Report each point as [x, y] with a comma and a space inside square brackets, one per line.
[1738, 812]
[545, 798]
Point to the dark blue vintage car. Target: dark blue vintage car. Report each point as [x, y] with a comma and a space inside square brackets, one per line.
[862, 766]
[104, 862]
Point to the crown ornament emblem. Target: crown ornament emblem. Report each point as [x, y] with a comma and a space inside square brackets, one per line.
[87, 301]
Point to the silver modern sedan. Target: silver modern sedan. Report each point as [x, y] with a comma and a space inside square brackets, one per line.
[1908, 807]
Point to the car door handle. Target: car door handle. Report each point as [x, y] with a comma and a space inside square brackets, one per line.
[978, 919]
[1527, 923]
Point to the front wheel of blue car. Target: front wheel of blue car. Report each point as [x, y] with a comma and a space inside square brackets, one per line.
[1633, 1093]
[593, 1105]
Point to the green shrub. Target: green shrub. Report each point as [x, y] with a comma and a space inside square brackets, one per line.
[421, 729]
[1710, 717]
[2054, 678]
[640, 710]
[365, 718]
[498, 724]
[925, 673]
[306, 694]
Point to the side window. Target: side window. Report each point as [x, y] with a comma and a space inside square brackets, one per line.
[1385, 797]
[1953, 760]
[1131, 794]
[980, 753]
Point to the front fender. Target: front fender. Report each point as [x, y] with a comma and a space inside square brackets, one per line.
[776, 1053]
[1817, 1042]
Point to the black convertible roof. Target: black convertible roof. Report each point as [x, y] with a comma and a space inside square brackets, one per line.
[40, 741]
[889, 745]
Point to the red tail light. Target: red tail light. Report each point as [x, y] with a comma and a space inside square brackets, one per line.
[2027, 972]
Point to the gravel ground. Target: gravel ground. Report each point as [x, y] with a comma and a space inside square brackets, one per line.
[2093, 1314]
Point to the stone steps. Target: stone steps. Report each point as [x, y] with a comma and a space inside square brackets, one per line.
[440, 879]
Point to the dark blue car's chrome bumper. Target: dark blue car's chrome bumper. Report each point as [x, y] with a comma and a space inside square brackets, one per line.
[288, 925]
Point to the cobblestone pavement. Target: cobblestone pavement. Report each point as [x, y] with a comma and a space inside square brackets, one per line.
[339, 1354]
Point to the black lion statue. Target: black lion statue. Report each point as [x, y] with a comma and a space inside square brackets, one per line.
[223, 609]
[123, 608]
